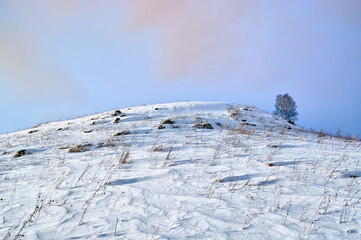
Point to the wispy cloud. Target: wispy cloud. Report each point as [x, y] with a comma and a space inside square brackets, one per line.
[28, 67]
[203, 39]
[253, 40]
[193, 37]
[24, 71]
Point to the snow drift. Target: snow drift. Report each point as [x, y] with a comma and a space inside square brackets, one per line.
[179, 170]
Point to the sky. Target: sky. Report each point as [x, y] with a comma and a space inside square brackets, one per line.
[63, 59]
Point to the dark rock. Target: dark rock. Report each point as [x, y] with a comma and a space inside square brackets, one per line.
[21, 153]
[168, 121]
[291, 122]
[116, 120]
[116, 113]
[124, 132]
[33, 131]
[161, 127]
[248, 124]
[203, 126]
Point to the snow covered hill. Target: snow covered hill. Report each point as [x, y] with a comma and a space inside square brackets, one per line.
[201, 170]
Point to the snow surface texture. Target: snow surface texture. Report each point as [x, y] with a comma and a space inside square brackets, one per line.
[130, 175]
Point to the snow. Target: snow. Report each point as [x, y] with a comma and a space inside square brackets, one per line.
[265, 179]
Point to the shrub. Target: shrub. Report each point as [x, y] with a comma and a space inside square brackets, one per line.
[286, 108]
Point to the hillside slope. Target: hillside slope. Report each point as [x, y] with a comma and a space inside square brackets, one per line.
[178, 170]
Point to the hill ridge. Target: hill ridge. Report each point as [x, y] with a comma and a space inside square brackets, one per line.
[177, 170]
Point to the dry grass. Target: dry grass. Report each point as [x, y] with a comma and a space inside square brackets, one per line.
[123, 157]
[234, 113]
[81, 148]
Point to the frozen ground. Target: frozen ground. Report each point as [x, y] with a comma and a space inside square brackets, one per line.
[253, 176]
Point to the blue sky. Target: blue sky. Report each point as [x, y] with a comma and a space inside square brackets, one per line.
[64, 59]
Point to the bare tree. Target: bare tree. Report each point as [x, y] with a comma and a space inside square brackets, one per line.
[286, 107]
